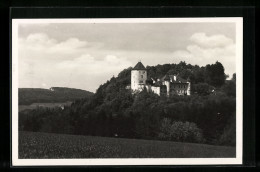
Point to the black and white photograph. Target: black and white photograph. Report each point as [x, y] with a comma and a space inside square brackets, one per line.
[146, 91]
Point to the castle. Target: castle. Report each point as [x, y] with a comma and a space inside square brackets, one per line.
[167, 85]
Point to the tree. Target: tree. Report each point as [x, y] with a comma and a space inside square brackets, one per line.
[180, 131]
[229, 134]
[197, 75]
[234, 77]
[214, 74]
[185, 73]
[230, 88]
[201, 88]
[115, 110]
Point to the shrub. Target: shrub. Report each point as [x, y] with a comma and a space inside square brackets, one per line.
[230, 88]
[201, 88]
[228, 136]
[180, 131]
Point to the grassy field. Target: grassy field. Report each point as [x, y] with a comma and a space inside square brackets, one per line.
[45, 145]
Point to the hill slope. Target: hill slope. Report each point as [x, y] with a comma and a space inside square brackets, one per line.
[113, 109]
[55, 94]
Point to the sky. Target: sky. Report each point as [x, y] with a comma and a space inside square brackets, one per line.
[85, 55]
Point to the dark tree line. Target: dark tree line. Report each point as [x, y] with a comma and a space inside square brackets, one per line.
[28, 96]
[114, 112]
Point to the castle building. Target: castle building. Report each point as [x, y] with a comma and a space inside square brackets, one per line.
[167, 85]
[138, 77]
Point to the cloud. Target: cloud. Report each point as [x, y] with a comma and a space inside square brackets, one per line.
[44, 61]
[211, 41]
[209, 49]
[79, 63]
[87, 72]
[86, 64]
[41, 42]
[69, 46]
[36, 42]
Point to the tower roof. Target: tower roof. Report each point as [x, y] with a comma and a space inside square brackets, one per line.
[139, 66]
[166, 78]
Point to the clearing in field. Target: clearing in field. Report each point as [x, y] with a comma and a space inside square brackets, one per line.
[34, 145]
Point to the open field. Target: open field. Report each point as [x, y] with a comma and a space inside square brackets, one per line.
[46, 145]
[45, 105]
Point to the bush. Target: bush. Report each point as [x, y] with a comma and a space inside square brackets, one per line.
[230, 88]
[180, 131]
[229, 134]
[201, 88]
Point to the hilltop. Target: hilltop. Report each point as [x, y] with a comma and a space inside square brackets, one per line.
[28, 96]
[202, 117]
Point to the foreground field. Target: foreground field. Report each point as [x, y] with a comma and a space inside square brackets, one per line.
[45, 145]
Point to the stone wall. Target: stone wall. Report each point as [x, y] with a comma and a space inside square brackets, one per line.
[138, 77]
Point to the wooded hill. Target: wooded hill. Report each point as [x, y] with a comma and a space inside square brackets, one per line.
[28, 96]
[114, 111]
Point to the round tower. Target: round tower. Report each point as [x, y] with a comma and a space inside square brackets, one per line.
[138, 77]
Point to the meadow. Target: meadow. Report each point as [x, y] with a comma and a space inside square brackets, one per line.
[36, 145]
[45, 105]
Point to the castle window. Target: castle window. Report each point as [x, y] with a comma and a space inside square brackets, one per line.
[142, 76]
[141, 82]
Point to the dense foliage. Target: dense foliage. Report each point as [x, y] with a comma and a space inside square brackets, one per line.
[113, 111]
[55, 94]
[180, 131]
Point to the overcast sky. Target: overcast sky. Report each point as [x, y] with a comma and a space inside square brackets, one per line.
[86, 55]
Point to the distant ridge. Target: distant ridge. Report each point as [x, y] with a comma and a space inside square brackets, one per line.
[28, 96]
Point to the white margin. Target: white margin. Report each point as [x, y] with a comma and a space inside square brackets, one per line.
[131, 161]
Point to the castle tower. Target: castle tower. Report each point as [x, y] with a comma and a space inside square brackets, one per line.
[167, 84]
[138, 77]
[188, 89]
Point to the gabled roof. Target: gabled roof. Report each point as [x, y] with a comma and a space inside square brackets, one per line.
[178, 79]
[165, 78]
[139, 66]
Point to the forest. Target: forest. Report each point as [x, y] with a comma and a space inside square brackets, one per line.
[28, 96]
[207, 116]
